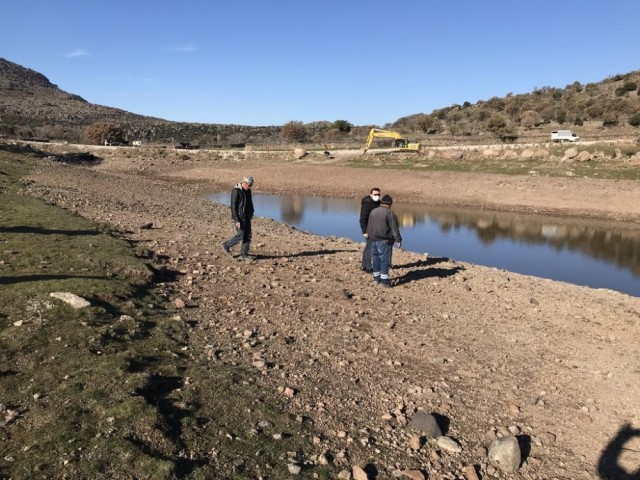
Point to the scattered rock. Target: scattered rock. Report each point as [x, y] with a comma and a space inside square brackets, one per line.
[415, 442]
[71, 299]
[449, 445]
[481, 452]
[547, 438]
[571, 153]
[359, 473]
[299, 153]
[426, 423]
[470, 472]
[583, 156]
[413, 474]
[504, 453]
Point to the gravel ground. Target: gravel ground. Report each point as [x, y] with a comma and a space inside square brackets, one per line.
[492, 353]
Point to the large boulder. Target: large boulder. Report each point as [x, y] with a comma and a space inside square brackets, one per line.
[583, 156]
[571, 153]
[491, 152]
[299, 152]
[452, 155]
[535, 153]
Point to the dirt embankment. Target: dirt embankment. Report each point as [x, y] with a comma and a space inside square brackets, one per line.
[493, 353]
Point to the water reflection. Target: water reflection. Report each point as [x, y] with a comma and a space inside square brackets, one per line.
[598, 254]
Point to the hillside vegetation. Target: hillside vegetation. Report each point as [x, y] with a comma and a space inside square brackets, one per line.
[32, 107]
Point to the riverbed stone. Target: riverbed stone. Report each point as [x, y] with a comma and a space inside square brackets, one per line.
[426, 423]
[504, 453]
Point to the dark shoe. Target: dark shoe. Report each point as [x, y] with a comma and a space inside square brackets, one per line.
[376, 279]
[386, 284]
[227, 251]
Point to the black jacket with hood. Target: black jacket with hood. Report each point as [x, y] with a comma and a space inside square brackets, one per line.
[241, 204]
[367, 205]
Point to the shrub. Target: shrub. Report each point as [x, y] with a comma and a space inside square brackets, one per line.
[561, 116]
[294, 131]
[342, 125]
[530, 118]
[500, 127]
[634, 120]
[101, 132]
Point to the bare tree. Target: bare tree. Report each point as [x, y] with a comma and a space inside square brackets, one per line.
[294, 131]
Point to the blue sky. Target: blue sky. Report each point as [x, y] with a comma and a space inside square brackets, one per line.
[260, 62]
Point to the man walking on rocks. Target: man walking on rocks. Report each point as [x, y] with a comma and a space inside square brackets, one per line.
[241, 213]
[382, 232]
[367, 204]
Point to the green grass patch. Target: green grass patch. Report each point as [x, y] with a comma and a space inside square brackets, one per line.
[113, 390]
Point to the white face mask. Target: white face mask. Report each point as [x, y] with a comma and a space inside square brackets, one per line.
[375, 197]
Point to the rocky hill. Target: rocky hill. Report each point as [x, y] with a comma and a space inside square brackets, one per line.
[611, 106]
[31, 106]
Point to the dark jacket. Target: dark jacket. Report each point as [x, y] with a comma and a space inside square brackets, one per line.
[366, 206]
[383, 225]
[241, 204]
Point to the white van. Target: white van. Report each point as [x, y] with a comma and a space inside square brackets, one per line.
[564, 136]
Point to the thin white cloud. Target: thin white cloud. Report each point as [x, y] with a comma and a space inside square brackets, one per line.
[78, 52]
[183, 48]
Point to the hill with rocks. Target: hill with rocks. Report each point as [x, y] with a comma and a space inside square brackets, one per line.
[31, 106]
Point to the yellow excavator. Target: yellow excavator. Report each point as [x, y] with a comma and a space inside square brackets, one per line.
[400, 143]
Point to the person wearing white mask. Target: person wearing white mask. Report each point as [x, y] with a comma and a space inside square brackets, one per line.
[367, 204]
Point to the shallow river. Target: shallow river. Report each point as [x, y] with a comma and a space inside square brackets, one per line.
[596, 254]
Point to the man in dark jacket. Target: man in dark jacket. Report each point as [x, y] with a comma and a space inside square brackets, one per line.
[241, 213]
[367, 204]
[383, 231]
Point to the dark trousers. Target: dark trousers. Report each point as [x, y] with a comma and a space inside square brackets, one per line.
[366, 257]
[243, 233]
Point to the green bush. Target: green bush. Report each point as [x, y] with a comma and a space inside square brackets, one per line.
[342, 125]
[561, 116]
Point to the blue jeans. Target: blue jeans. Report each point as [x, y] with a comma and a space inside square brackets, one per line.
[381, 255]
[243, 233]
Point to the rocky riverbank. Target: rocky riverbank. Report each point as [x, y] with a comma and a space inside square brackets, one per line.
[490, 354]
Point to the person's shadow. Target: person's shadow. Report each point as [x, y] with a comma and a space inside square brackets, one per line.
[422, 269]
[609, 467]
